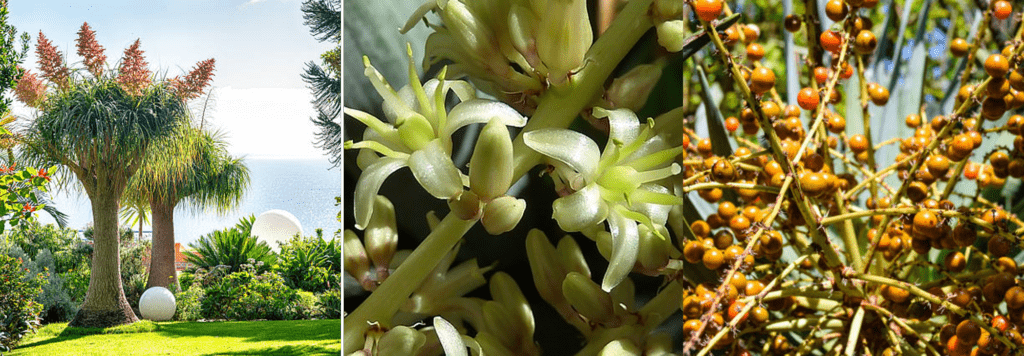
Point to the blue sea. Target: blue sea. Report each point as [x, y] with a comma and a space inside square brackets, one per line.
[304, 187]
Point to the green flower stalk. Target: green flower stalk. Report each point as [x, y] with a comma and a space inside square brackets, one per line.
[618, 186]
[417, 134]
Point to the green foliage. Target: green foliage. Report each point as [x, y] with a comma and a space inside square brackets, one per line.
[9, 57]
[134, 269]
[330, 304]
[310, 263]
[57, 303]
[69, 252]
[185, 279]
[60, 256]
[19, 312]
[231, 247]
[189, 304]
[324, 20]
[249, 295]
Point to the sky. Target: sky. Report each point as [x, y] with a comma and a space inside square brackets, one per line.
[261, 47]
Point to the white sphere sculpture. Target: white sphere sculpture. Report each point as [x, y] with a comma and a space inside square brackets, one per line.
[157, 304]
[275, 226]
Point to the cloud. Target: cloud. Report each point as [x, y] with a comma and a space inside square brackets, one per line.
[266, 122]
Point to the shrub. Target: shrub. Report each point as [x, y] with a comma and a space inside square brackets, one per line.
[329, 303]
[19, 312]
[189, 304]
[307, 305]
[134, 272]
[185, 279]
[250, 295]
[309, 263]
[231, 247]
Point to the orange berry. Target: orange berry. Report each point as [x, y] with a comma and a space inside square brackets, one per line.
[707, 10]
[959, 47]
[879, 94]
[858, 143]
[836, 10]
[755, 51]
[996, 65]
[866, 42]
[971, 170]
[713, 258]
[732, 123]
[807, 98]
[1001, 9]
[762, 80]
[821, 75]
[831, 41]
[771, 109]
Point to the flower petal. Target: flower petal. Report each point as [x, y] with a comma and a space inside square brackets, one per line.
[625, 246]
[623, 124]
[368, 185]
[463, 90]
[481, 111]
[658, 213]
[451, 340]
[580, 210]
[435, 171]
[570, 147]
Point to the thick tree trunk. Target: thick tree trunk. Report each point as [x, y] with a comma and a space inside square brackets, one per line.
[161, 263]
[105, 304]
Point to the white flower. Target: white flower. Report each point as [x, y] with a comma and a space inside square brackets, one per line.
[417, 134]
[616, 186]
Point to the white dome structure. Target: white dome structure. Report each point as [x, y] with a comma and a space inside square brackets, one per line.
[157, 304]
[275, 226]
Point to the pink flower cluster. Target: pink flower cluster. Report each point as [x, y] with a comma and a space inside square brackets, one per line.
[90, 50]
[195, 81]
[134, 74]
[30, 90]
[51, 62]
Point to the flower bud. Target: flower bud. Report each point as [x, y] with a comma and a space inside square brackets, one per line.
[654, 249]
[490, 168]
[501, 215]
[381, 236]
[631, 90]
[670, 35]
[571, 257]
[505, 292]
[356, 262]
[502, 324]
[587, 298]
[669, 9]
[545, 266]
[563, 37]
[466, 206]
[620, 347]
[400, 340]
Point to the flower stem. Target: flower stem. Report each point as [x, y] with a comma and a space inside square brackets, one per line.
[562, 104]
[385, 301]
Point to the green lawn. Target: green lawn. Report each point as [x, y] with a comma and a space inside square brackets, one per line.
[292, 337]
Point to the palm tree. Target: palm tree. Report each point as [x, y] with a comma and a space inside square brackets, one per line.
[99, 132]
[98, 128]
[191, 166]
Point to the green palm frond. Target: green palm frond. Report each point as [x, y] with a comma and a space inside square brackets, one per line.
[229, 247]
